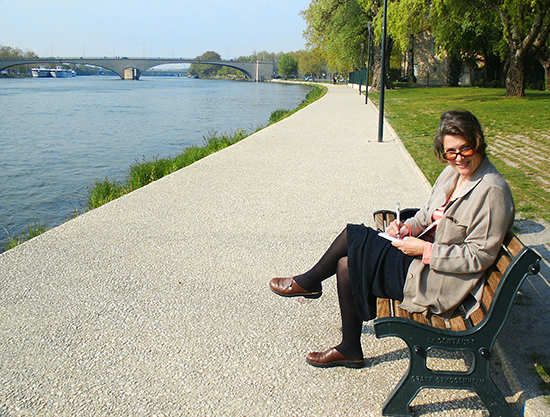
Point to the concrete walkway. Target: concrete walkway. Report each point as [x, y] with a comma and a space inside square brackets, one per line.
[157, 304]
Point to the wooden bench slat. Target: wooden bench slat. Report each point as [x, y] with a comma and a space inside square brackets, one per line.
[513, 244]
[401, 312]
[438, 322]
[383, 307]
[420, 318]
[487, 297]
[493, 279]
[477, 316]
[383, 218]
[502, 262]
[457, 324]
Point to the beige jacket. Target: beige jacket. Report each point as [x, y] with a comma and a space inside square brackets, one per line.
[467, 241]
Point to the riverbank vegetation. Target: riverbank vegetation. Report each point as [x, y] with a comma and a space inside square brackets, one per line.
[32, 231]
[516, 131]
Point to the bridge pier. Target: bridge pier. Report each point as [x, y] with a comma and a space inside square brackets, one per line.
[131, 74]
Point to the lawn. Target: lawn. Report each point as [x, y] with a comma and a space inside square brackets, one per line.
[517, 131]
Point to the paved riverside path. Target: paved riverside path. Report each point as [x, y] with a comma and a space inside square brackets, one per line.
[158, 303]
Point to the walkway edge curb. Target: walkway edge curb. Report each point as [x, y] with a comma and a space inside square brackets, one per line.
[391, 132]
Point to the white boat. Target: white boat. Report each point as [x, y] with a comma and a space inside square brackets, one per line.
[57, 72]
[60, 72]
[41, 72]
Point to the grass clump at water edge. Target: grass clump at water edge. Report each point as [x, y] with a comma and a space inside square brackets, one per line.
[147, 171]
[32, 231]
[315, 94]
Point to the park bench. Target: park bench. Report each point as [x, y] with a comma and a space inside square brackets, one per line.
[428, 337]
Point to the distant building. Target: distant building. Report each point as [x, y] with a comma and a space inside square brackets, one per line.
[431, 67]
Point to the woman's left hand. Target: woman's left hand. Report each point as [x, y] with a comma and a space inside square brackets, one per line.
[410, 246]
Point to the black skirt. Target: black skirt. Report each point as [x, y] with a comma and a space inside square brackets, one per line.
[376, 269]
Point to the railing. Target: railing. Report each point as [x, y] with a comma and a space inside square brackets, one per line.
[358, 77]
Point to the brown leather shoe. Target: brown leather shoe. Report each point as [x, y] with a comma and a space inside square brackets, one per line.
[287, 287]
[330, 358]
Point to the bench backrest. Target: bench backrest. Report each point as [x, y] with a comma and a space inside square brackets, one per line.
[502, 282]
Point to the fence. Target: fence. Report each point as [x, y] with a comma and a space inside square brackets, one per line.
[358, 77]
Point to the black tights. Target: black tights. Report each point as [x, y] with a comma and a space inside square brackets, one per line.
[335, 261]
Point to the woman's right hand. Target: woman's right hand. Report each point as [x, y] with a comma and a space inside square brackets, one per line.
[397, 229]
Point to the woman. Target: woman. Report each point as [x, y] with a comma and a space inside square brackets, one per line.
[440, 261]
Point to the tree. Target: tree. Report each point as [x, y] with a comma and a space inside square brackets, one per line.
[288, 65]
[206, 70]
[311, 62]
[526, 26]
[513, 31]
[15, 53]
[543, 56]
[406, 19]
[337, 28]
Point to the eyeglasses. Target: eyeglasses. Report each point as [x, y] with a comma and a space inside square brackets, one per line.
[451, 154]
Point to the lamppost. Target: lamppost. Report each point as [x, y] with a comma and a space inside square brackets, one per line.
[382, 76]
[369, 27]
[361, 68]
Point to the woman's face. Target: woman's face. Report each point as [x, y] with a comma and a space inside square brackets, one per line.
[464, 165]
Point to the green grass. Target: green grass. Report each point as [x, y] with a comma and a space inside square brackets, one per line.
[517, 131]
[32, 231]
[145, 172]
[541, 372]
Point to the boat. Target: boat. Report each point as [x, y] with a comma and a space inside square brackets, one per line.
[57, 72]
[41, 72]
[60, 72]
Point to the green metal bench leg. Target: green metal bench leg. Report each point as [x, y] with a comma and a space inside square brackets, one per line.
[494, 400]
[397, 403]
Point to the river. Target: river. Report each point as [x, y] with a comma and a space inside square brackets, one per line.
[58, 136]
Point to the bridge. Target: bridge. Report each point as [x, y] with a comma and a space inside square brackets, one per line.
[132, 68]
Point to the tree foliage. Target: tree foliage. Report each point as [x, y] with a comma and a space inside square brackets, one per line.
[337, 28]
[311, 62]
[288, 65]
[508, 31]
[16, 53]
[502, 37]
[206, 70]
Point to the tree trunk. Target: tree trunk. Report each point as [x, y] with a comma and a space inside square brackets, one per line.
[515, 77]
[389, 48]
[375, 70]
[454, 71]
[377, 62]
[544, 58]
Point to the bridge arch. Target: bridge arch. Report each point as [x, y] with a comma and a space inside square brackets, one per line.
[132, 68]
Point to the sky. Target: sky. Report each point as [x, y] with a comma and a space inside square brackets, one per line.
[152, 28]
